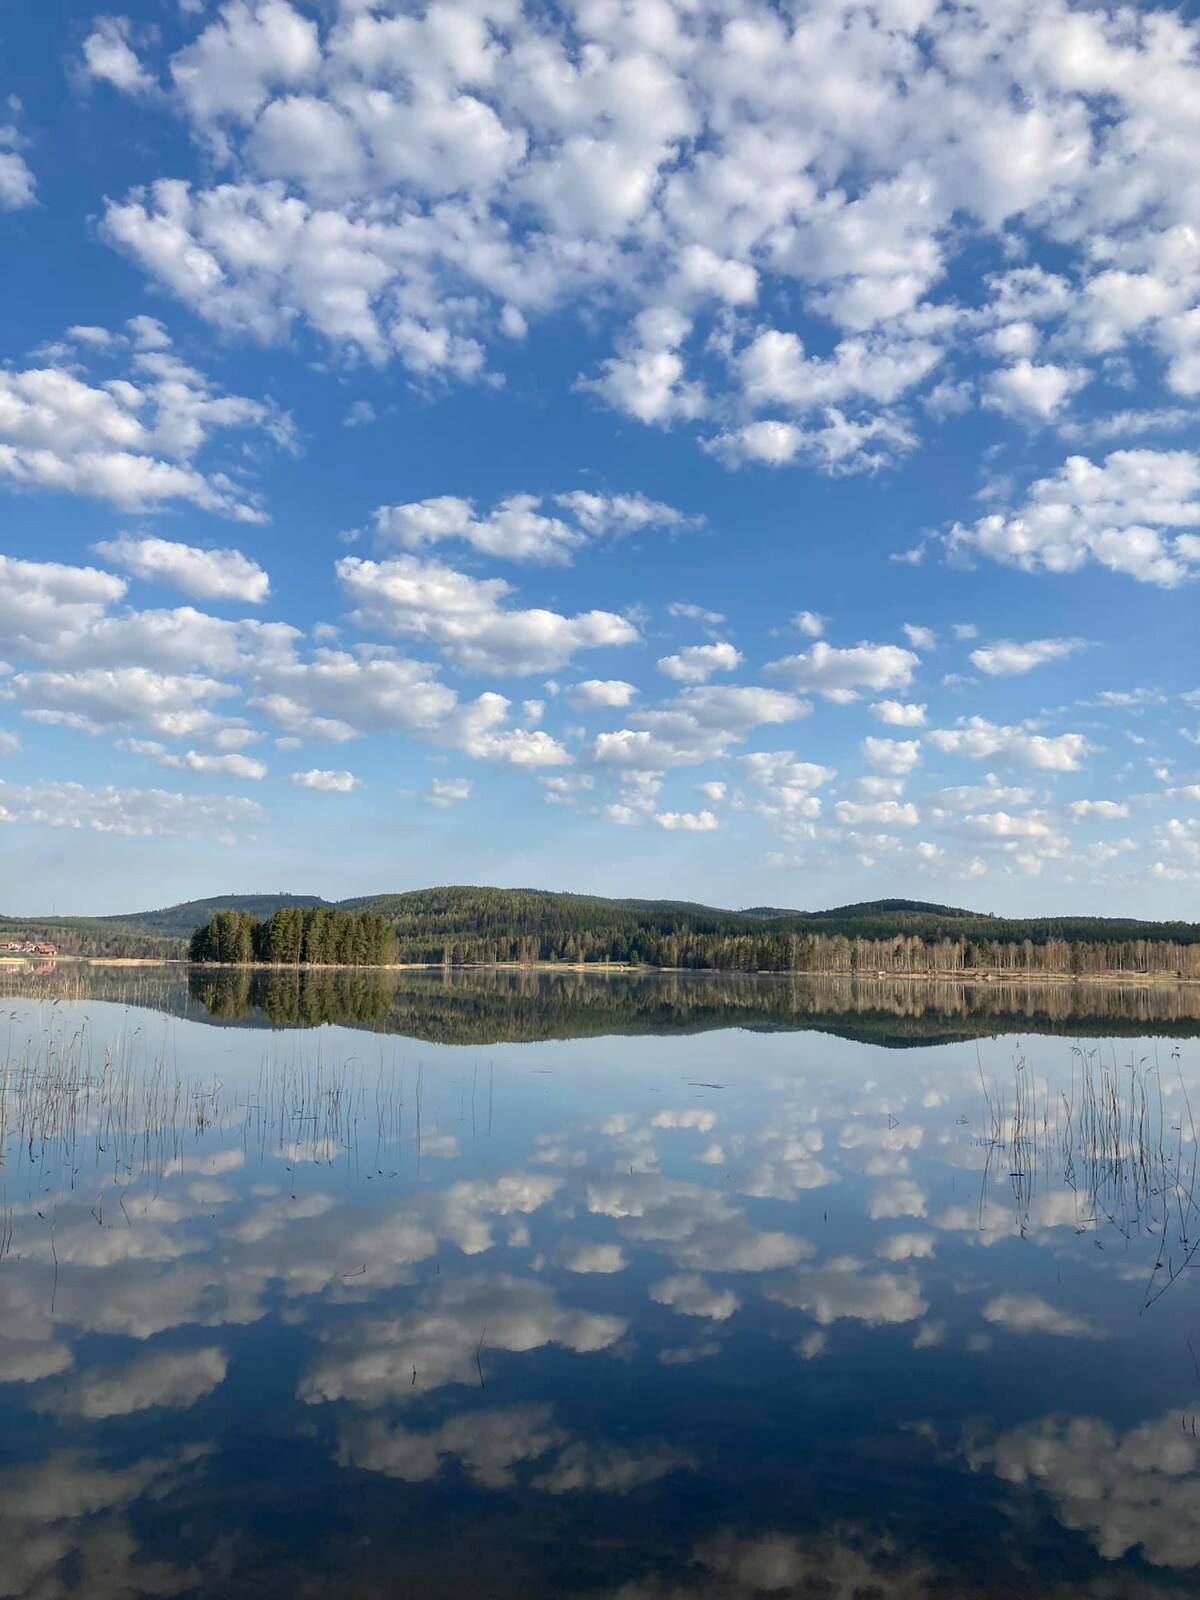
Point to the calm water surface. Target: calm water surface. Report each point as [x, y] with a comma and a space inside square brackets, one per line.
[674, 1309]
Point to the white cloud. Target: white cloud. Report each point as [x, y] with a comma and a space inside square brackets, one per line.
[131, 441]
[1107, 810]
[1120, 1490]
[892, 756]
[694, 613]
[135, 813]
[205, 574]
[1026, 389]
[325, 781]
[171, 704]
[841, 1290]
[686, 821]
[885, 813]
[907, 1246]
[898, 713]
[810, 623]
[231, 765]
[446, 792]
[602, 1258]
[838, 444]
[253, 46]
[1027, 1313]
[840, 674]
[647, 379]
[700, 724]
[1125, 514]
[692, 1296]
[418, 191]
[109, 57]
[696, 663]
[785, 788]
[172, 1378]
[439, 1335]
[596, 693]
[18, 187]
[980, 740]
[919, 637]
[467, 618]
[1008, 658]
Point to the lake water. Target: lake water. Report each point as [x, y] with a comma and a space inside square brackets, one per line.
[645, 1289]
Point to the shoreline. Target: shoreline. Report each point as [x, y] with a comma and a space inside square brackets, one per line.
[986, 977]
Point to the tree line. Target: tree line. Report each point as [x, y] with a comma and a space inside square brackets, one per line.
[315, 936]
[322, 936]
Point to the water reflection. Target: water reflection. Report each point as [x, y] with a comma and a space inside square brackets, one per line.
[481, 1006]
[703, 1315]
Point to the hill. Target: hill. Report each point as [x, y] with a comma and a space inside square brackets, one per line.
[181, 919]
[461, 924]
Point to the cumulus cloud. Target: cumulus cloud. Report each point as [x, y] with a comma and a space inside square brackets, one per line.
[467, 617]
[686, 821]
[18, 187]
[1008, 658]
[892, 756]
[1126, 513]
[372, 1364]
[135, 813]
[131, 441]
[840, 674]
[426, 195]
[692, 1296]
[518, 528]
[171, 1378]
[1119, 1489]
[109, 57]
[696, 663]
[205, 574]
[601, 693]
[842, 1290]
[898, 713]
[325, 781]
[1026, 389]
[701, 723]
[980, 740]
[446, 792]
[1028, 1313]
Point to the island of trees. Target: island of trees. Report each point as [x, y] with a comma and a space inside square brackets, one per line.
[313, 936]
[457, 927]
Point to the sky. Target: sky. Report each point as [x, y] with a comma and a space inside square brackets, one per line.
[706, 449]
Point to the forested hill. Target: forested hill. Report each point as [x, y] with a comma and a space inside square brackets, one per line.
[181, 919]
[462, 924]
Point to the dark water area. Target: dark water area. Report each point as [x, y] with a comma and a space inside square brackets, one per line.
[506, 1285]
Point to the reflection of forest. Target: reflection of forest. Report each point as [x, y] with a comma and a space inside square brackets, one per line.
[462, 1007]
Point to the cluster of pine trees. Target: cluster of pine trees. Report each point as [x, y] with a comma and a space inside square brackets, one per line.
[315, 936]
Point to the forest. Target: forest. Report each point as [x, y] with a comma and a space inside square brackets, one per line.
[310, 936]
[463, 925]
[460, 927]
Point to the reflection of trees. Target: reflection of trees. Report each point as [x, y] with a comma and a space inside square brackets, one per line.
[481, 1007]
[489, 1007]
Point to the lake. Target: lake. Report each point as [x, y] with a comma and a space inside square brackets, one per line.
[644, 1288]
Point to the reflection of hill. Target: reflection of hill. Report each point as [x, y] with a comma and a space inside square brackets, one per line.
[460, 1007]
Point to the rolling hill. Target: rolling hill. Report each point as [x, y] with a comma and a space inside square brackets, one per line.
[465, 923]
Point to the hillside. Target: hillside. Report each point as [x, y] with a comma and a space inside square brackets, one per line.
[465, 924]
[181, 919]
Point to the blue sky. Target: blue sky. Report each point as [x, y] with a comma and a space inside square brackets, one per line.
[719, 451]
